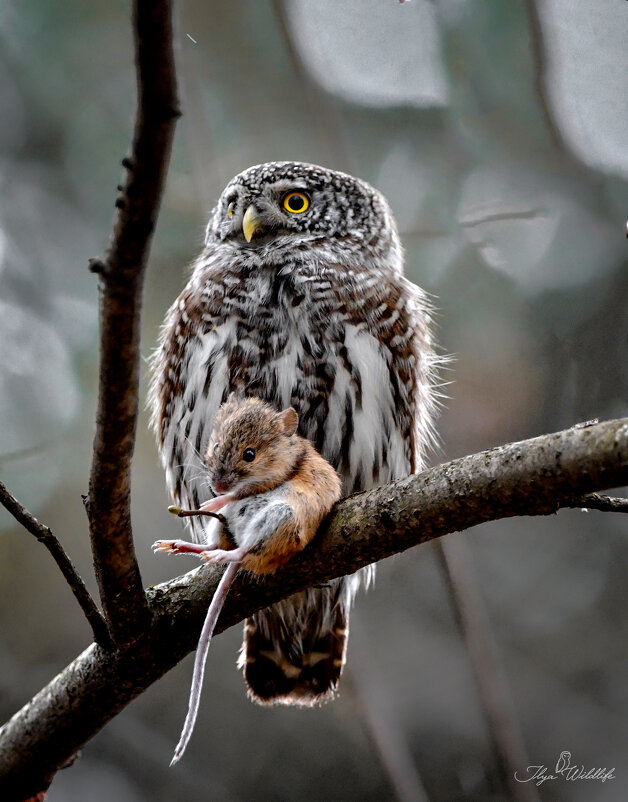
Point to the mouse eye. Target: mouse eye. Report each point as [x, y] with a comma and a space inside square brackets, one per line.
[215, 448]
[248, 454]
[296, 202]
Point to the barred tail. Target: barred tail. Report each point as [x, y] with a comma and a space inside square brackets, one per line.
[294, 652]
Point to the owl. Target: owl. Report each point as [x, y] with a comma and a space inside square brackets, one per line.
[298, 298]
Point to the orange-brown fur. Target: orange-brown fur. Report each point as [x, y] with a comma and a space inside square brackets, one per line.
[284, 462]
[312, 493]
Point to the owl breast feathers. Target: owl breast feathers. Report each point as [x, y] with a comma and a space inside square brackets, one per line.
[298, 298]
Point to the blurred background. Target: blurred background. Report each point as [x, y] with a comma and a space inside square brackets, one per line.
[499, 133]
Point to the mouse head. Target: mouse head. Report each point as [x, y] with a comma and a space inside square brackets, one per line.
[253, 448]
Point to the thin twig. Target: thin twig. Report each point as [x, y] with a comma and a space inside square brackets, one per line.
[502, 217]
[491, 682]
[77, 586]
[595, 501]
[540, 63]
[381, 723]
[121, 272]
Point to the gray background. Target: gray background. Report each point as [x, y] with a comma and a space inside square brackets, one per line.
[510, 194]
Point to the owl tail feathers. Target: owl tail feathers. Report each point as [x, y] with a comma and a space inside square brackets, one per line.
[290, 666]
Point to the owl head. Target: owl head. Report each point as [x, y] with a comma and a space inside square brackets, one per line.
[291, 210]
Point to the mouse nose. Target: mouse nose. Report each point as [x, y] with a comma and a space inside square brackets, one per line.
[221, 486]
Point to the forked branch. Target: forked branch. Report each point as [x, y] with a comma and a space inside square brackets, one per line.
[45, 536]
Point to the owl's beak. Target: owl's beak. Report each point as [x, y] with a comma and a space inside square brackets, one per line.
[252, 223]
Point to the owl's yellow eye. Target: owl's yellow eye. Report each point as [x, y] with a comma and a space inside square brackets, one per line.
[296, 202]
[230, 208]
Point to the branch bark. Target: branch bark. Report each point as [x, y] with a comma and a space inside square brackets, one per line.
[594, 501]
[122, 272]
[533, 477]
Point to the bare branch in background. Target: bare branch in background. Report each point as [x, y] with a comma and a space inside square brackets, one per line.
[502, 217]
[77, 586]
[539, 62]
[381, 723]
[121, 273]
[594, 501]
[492, 685]
[531, 477]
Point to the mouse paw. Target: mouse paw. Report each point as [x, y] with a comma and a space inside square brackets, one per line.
[217, 503]
[174, 547]
[220, 556]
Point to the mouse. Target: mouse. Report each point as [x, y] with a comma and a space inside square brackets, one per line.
[273, 489]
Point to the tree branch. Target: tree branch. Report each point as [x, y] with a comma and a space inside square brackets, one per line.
[122, 272]
[594, 501]
[532, 477]
[541, 63]
[77, 586]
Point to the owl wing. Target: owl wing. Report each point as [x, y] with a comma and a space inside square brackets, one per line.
[425, 363]
[294, 652]
[388, 366]
[189, 383]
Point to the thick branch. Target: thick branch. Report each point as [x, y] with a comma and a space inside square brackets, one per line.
[533, 477]
[45, 536]
[122, 272]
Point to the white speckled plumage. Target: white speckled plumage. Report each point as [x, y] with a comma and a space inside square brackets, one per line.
[313, 313]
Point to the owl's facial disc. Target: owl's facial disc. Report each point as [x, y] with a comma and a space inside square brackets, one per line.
[285, 208]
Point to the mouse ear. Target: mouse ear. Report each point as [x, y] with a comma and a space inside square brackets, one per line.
[289, 420]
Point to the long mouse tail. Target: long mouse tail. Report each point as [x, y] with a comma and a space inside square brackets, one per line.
[201, 657]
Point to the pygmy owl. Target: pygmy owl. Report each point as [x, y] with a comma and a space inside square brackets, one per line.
[299, 298]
